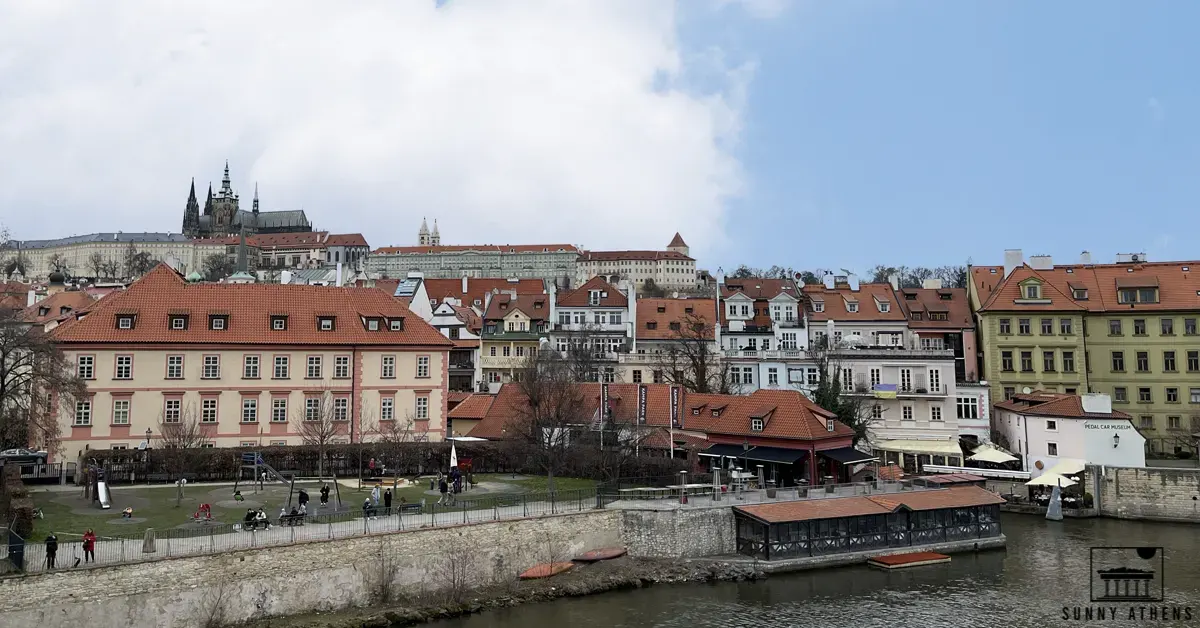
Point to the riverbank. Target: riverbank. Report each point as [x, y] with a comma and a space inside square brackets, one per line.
[588, 579]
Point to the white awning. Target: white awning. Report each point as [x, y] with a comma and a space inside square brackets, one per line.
[988, 454]
[1067, 466]
[1050, 479]
[933, 447]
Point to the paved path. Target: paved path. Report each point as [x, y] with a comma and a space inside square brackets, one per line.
[116, 551]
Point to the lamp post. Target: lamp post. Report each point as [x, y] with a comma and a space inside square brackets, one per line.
[146, 459]
[1116, 440]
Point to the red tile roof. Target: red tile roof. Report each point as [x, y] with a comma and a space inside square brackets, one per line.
[162, 292]
[673, 311]
[616, 256]
[346, 239]
[1006, 296]
[1178, 286]
[677, 241]
[1042, 403]
[482, 248]
[760, 289]
[14, 295]
[473, 407]
[867, 296]
[477, 289]
[57, 306]
[839, 507]
[952, 302]
[580, 297]
[535, 306]
[985, 279]
[891, 472]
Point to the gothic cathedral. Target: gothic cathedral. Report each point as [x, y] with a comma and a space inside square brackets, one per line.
[223, 215]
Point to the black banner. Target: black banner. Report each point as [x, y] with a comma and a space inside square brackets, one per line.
[675, 421]
[641, 411]
[603, 402]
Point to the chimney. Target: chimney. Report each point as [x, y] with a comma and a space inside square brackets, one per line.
[1085, 258]
[1012, 259]
[828, 280]
[852, 279]
[1041, 262]
[894, 279]
[1096, 403]
[932, 284]
[512, 293]
[464, 284]
[339, 275]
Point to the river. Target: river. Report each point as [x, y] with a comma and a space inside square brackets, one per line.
[1044, 568]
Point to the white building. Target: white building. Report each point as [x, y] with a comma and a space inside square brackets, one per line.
[597, 317]
[1046, 429]
[462, 325]
[973, 409]
[555, 263]
[659, 335]
[842, 307]
[672, 269]
[763, 334]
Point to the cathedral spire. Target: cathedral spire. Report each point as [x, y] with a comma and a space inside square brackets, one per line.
[191, 213]
[423, 234]
[256, 197]
[208, 201]
[225, 186]
[436, 239]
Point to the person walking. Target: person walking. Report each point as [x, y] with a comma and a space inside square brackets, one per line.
[324, 494]
[51, 550]
[303, 497]
[375, 496]
[89, 546]
[442, 488]
[387, 502]
[370, 468]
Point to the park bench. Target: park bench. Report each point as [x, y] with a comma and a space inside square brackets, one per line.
[408, 509]
[292, 520]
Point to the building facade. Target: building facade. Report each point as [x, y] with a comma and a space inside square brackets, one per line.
[251, 363]
[671, 269]
[596, 321]
[1046, 429]
[764, 334]
[514, 326]
[77, 255]
[554, 263]
[223, 215]
[681, 335]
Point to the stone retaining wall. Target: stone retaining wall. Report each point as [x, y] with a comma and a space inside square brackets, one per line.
[1160, 494]
[679, 533]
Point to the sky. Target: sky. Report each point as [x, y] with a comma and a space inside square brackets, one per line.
[803, 133]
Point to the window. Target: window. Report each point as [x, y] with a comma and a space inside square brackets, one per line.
[325, 324]
[423, 365]
[1118, 361]
[1005, 326]
[396, 324]
[278, 323]
[422, 407]
[1068, 361]
[935, 380]
[637, 376]
[312, 409]
[341, 366]
[123, 322]
[1168, 360]
[341, 409]
[83, 413]
[818, 306]
[120, 412]
[876, 377]
[372, 324]
[1033, 291]
[905, 379]
[1167, 325]
[178, 322]
[1172, 395]
[507, 351]
[876, 412]
[968, 408]
[493, 377]
[906, 413]
[772, 376]
[1189, 326]
[174, 367]
[658, 377]
[748, 375]
[852, 306]
[314, 367]
[1051, 449]
[124, 367]
[208, 410]
[279, 410]
[1119, 394]
[1143, 361]
[1146, 422]
[1173, 423]
[1144, 395]
[388, 369]
[1009, 392]
[1080, 294]
[1195, 395]
[172, 410]
[1051, 425]
[216, 323]
[1048, 361]
[756, 425]
[249, 410]
[387, 409]
[1024, 327]
[1027, 361]
[1114, 327]
[884, 306]
[520, 354]
[935, 413]
[847, 378]
[1047, 326]
[212, 367]
[492, 351]
[281, 367]
[1139, 327]
[85, 366]
[250, 367]
[1065, 327]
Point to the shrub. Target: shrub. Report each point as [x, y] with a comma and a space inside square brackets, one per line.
[21, 513]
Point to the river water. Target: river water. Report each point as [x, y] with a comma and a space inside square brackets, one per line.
[1044, 569]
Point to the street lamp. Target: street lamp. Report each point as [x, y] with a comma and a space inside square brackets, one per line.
[1116, 440]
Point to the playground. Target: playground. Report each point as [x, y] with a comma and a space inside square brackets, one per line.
[69, 512]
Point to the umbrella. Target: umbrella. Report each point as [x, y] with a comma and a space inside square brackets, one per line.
[453, 457]
[1050, 479]
[991, 455]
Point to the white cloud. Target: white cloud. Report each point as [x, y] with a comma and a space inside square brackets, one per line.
[509, 121]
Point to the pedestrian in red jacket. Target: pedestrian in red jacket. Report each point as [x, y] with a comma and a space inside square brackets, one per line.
[89, 546]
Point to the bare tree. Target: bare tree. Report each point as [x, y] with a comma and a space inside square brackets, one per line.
[137, 263]
[453, 566]
[691, 357]
[217, 266]
[95, 263]
[57, 263]
[35, 378]
[853, 411]
[553, 405]
[587, 353]
[398, 441]
[181, 434]
[321, 423]
[110, 269]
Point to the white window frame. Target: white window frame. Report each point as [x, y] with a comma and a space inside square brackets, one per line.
[85, 366]
[212, 367]
[208, 409]
[387, 367]
[217, 324]
[124, 322]
[906, 413]
[1052, 449]
[124, 367]
[341, 366]
[935, 413]
[121, 411]
[178, 323]
[341, 408]
[175, 366]
[250, 367]
[314, 367]
[172, 410]
[312, 408]
[756, 425]
[83, 413]
[422, 407]
[279, 409]
[423, 365]
[282, 363]
[249, 410]
[1051, 425]
[387, 409]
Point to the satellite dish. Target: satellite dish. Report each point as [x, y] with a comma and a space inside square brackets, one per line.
[1026, 390]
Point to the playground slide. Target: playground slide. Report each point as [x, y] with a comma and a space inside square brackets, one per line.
[102, 494]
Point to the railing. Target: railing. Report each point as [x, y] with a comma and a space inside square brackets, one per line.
[218, 538]
[774, 354]
[43, 473]
[462, 365]
[727, 495]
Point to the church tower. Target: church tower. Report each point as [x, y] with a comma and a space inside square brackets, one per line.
[423, 237]
[208, 202]
[191, 214]
[436, 238]
[678, 245]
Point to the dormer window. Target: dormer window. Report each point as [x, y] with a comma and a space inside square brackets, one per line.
[910, 296]
[662, 309]
[885, 307]
[939, 316]
[396, 324]
[42, 311]
[593, 297]
[651, 325]
[218, 322]
[695, 411]
[818, 306]
[828, 425]
[372, 324]
[946, 296]
[178, 323]
[278, 323]
[675, 326]
[756, 425]
[1033, 291]
[852, 306]
[125, 322]
[687, 310]
[916, 316]
[325, 323]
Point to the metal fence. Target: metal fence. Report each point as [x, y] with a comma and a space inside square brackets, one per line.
[200, 539]
[43, 473]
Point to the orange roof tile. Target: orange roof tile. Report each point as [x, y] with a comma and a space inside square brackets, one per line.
[839, 507]
[756, 288]
[162, 292]
[580, 297]
[616, 256]
[985, 279]
[477, 289]
[1178, 286]
[57, 306]
[535, 306]
[1007, 295]
[868, 296]
[950, 301]
[654, 316]
[1042, 403]
[473, 407]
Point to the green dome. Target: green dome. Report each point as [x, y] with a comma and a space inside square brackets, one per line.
[194, 276]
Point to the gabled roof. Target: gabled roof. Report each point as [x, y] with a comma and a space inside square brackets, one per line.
[673, 311]
[581, 296]
[535, 306]
[473, 407]
[479, 248]
[1042, 403]
[1178, 286]
[757, 288]
[985, 279]
[836, 301]
[1004, 298]
[677, 241]
[477, 289]
[57, 306]
[161, 293]
[952, 301]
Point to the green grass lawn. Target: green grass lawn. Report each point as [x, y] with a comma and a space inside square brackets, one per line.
[69, 515]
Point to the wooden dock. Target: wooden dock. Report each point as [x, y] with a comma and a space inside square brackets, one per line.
[901, 561]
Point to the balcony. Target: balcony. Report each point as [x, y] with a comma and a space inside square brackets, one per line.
[462, 366]
[889, 352]
[610, 328]
[915, 388]
[753, 354]
[500, 362]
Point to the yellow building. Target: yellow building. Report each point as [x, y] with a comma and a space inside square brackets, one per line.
[253, 364]
[1134, 337]
[514, 325]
